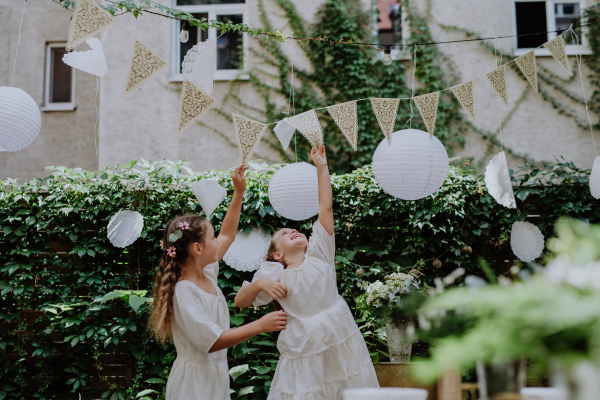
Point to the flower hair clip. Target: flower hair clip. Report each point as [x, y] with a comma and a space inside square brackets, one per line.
[171, 251]
[173, 237]
[162, 244]
[184, 225]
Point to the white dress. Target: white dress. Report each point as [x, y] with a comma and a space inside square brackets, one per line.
[199, 320]
[322, 349]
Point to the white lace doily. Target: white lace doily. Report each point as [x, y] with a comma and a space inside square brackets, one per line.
[125, 227]
[91, 61]
[209, 194]
[497, 180]
[595, 179]
[247, 251]
[284, 132]
[199, 64]
[526, 241]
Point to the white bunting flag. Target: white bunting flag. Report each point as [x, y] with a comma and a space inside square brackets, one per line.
[464, 94]
[557, 49]
[199, 64]
[428, 106]
[309, 126]
[89, 19]
[498, 80]
[528, 67]
[90, 61]
[386, 111]
[143, 65]
[249, 133]
[194, 102]
[345, 117]
[284, 132]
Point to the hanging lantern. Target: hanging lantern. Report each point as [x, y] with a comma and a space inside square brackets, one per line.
[414, 166]
[125, 227]
[595, 179]
[247, 252]
[209, 194]
[20, 119]
[526, 241]
[294, 191]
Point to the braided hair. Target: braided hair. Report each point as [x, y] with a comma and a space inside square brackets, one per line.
[170, 270]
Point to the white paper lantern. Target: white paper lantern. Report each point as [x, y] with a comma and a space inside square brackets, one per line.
[209, 193]
[595, 179]
[125, 227]
[526, 241]
[412, 167]
[497, 181]
[247, 251]
[20, 119]
[294, 191]
[385, 393]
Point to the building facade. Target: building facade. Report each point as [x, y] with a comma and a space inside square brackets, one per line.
[88, 122]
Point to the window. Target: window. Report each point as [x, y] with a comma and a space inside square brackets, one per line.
[59, 90]
[392, 26]
[545, 16]
[231, 46]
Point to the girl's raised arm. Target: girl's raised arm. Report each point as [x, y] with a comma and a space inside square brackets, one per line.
[325, 196]
[232, 218]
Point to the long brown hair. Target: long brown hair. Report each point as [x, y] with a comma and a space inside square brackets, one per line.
[269, 257]
[169, 271]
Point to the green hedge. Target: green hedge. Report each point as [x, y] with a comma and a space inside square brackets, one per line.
[55, 260]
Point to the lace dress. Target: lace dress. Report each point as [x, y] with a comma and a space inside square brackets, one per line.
[322, 350]
[199, 320]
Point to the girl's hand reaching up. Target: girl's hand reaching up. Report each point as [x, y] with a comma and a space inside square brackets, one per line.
[274, 289]
[239, 178]
[275, 321]
[318, 156]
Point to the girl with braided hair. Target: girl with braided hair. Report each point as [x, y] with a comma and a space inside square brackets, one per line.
[190, 309]
[322, 349]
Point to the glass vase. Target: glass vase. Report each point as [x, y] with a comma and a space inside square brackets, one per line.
[397, 329]
[502, 380]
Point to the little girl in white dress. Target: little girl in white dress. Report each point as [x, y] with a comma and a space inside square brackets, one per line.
[190, 309]
[322, 349]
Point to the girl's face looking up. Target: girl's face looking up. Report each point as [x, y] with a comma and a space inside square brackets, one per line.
[290, 241]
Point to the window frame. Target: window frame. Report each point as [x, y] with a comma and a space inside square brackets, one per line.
[213, 10]
[48, 105]
[580, 49]
[402, 53]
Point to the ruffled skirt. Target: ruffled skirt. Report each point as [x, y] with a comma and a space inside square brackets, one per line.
[196, 381]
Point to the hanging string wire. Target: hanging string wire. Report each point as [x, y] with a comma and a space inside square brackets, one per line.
[499, 112]
[413, 87]
[18, 41]
[587, 110]
[96, 107]
[294, 103]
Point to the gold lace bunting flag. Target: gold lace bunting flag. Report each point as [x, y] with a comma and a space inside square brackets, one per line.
[194, 102]
[557, 49]
[89, 19]
[309, 126]
[249, 133]
[144, 64]
[344, 115]
[498, 80]
[386, 111]
[528, 67]
[464, 94]
[428, 106]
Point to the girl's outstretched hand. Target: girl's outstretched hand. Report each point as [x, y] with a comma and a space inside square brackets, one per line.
[275, 321]
[238, 177]
[318, 156]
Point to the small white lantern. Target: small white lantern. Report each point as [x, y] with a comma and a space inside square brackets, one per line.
[294, 191]
[20, 119]
[125, 227]
[526, 241]
[595, 179]
[209, 194]
[414, 166]
[247, 251]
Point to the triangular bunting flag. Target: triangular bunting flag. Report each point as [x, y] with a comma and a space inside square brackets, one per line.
[344, 115]
[249, 133]
[528, 67]
[308, 125]
[498, 79]
[284, 132]
[386, 111]
[144, 64]
[89, 19]
[557, 49]
[193, 103]
[428, 106]
[464, 94]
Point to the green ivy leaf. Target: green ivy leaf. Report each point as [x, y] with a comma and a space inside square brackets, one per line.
[238, 370]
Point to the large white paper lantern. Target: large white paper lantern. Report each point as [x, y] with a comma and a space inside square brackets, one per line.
[125, 227]
[526, 241]
[20, 119]
[413, 166]
[294, 191]
[247, 251]
[595, 179]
